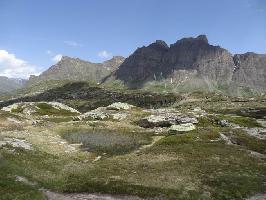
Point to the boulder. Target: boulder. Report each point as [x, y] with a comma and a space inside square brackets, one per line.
[119, 116]
[154, 121]
[119, 106]
[182, 128]
[98, 114]
[165, 120]
[224, 122]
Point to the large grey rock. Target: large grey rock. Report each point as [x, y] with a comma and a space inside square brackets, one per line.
[165, 118]
[120, 106]
[182, 128]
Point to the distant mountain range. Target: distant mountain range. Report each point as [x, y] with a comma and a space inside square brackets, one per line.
[75, 69]
[190, 64]
[10, 84]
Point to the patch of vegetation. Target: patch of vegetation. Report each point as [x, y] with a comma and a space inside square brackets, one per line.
[241, 138]
[241, 121]
[59, 119]
[176, 167]
[19, 109]
[46, 109]
[11, 189]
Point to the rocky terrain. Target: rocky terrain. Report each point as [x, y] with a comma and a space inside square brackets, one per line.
[10, 84]
[198, 147]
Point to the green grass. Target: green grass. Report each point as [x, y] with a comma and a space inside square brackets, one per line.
[11, 189]
[186, 166]
[241, 138]
[46, 109]
[241, 121]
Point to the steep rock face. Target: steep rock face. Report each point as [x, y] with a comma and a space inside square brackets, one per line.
[144, 64]
[250, 71]
[76, 69]
[10, 84]
[211, 62]
[158, 61]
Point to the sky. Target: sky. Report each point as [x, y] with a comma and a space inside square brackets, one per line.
[34, 34]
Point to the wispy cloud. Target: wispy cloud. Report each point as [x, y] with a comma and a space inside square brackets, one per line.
[13, 67]
[72, 43]
[49, 52]
[104, 54]
[57, 58]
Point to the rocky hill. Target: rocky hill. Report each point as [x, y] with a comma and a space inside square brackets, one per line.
[75, 69]
[193, 63]
[10, 84]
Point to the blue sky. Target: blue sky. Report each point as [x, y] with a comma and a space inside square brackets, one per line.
[35, 33]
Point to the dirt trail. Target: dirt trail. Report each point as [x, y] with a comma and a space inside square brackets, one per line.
[57, 196]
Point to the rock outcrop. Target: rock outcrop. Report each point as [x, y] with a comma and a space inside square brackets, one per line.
[250, 71]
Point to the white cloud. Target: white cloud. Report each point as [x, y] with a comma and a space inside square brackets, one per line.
[104, 54]
[13, 67]
[49, 52]
[72, 43]
[57, 57]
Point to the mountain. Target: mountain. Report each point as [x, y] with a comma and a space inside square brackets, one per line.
[75, 69]
[10, 84]
[192, 64]
[250, 71]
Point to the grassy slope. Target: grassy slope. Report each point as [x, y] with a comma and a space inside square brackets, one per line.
[177, 167]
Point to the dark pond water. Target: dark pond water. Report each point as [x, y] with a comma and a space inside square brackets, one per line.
[107, 142]
[254, 113]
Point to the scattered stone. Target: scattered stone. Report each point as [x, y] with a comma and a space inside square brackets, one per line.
[28, 108]
[11, 107]
[119, 116]
[13, 120]
[60, 106]
[224, 123]
[97, 158]
[83, 196]
[182, 128]
[25, 181]
[165, 120]
[16, 143]
[98, 114]
[120, 106]
[259, 133]
[226, 139]
[262, 122]
[257, 197]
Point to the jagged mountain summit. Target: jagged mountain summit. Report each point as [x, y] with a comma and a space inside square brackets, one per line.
[10, 84]
[193, 63]
[75, 69]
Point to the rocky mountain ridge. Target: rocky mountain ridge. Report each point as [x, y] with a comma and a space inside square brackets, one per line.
[190, 64]
[10, 84]
[75, 69]
[193, 61]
